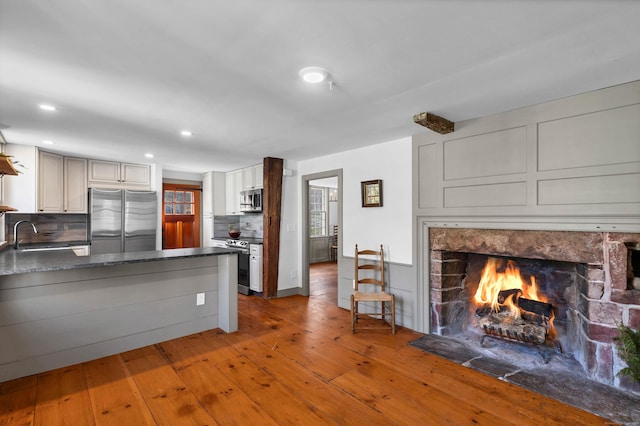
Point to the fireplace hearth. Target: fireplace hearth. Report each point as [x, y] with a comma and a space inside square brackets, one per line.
[586, 280]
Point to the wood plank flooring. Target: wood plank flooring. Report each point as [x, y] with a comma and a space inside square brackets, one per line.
[294, 361]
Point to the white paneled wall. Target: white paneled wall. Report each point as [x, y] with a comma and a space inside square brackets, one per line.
[577, 157]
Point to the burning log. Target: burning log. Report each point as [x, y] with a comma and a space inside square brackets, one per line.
[539, 308]
[504, 295]
[505, 326]
[508, 307]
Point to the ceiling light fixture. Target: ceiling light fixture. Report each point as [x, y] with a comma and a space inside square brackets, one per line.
[47, 142]
[47, 107]
[149, 155]
[186, 133]
[314, 74]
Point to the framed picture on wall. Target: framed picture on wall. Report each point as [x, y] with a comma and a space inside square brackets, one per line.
[371, 193]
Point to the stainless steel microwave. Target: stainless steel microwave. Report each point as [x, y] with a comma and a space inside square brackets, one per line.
[251, 201]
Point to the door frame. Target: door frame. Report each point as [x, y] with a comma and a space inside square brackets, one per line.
[304, 223]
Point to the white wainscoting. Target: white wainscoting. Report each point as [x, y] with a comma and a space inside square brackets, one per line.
[572, 158]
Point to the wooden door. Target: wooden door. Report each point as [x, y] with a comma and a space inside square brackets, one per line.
[180, 216]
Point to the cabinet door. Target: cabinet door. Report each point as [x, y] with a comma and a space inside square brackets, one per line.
[239, 187]
[258, 176]
[230, 190]
[234, 183]
[207, 231]
[135, 174]
[248, 178]
[104, 171]
[207, 194]
[75, 185]
[219, 193]
[50, 187]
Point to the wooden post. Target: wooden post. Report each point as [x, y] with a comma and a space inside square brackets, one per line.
[271, 228]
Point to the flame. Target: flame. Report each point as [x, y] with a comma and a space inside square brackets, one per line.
[552, 334]
[497, 277]
[493, 282]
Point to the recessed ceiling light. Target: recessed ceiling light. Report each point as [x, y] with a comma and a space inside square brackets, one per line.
[314, 74]
[47, 107]
[186, 133]
[47, 142]
[149, 155]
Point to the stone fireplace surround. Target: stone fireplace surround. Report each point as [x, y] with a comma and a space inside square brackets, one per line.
[601, 298]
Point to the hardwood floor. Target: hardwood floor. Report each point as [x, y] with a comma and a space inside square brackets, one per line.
[293, 361]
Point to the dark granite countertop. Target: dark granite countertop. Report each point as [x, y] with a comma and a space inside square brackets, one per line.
[250, 240]
[18, 262]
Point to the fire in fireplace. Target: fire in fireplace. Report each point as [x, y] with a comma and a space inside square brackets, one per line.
[511, 307]
[588, 278]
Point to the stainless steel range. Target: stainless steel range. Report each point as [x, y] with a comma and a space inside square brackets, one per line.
[249, 263]
[237, 243]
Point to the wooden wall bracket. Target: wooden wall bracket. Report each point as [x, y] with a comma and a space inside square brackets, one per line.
[434, 122]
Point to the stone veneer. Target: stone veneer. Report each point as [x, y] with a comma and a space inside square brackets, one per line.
[598, 301]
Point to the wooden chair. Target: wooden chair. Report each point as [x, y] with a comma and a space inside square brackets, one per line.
[333, 245]
[373, 262]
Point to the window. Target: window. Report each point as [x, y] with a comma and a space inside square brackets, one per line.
[317, 211]
[179, 202]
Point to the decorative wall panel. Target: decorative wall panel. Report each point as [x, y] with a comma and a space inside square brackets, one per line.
[503, 194]
[590, 190]
[428, 176]
[596, 139]
[490, 154]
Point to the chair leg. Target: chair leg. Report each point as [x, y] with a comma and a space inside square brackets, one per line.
[393, 315]
[353, 315]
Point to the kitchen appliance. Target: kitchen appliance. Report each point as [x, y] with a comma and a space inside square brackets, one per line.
[121, 220]
[243, 265]
[255, 266]
[251, 201]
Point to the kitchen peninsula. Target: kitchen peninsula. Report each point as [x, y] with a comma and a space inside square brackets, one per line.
[59, 309]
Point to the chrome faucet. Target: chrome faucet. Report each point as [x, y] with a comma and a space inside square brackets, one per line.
[16, 241]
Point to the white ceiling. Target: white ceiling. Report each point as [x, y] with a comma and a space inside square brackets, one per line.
[128, 75]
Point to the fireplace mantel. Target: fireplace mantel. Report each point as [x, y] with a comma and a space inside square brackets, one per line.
[601, 300]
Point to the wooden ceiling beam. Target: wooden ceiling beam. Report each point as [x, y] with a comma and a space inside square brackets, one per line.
[434, 122]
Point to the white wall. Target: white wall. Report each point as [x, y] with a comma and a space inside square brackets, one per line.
[391, 224]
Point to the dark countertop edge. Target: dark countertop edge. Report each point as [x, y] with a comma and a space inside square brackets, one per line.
[14, 262]
[56, 244]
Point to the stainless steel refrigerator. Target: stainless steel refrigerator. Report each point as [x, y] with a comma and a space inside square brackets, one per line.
[121, 220]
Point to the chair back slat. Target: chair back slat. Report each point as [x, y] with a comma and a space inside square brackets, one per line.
[376, 256]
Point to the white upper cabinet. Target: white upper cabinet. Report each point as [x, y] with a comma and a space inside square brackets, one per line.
[213, 194]
[234, 184]
[109, 174]
[258, 173]
[75, 185]
[253, 178]
[62, 184]
[50, 186]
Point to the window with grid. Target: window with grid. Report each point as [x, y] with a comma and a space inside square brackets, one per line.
[317, 211]
[179, 202]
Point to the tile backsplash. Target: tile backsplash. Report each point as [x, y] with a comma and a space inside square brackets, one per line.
[249, 225]
[51, 227]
